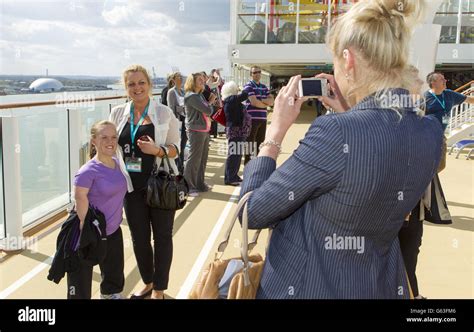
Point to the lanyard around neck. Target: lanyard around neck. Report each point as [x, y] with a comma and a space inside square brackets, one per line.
[442, 103]
[257, 87]
[133, 127]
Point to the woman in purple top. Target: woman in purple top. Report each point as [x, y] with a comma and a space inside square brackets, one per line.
[101, 184]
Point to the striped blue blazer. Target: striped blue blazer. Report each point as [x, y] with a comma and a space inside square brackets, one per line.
[337, 204]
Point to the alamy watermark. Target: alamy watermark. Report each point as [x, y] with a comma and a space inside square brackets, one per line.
[75, 100]
[335, 242]
[20, 243]
[400, 101]
[37, 315]
[237, 148]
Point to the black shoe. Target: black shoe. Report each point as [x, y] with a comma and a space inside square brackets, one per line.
[142, 296]
[235, 184]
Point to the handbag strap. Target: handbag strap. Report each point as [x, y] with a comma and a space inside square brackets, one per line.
[167, 160]
[248, 246]
[245, 247]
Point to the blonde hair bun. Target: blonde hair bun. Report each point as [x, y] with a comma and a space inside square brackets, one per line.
[410, 11]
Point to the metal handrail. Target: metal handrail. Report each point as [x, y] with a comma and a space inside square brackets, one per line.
[460, 115]
[464, 86]
[468, 92]
[48, 103]
[463, 113]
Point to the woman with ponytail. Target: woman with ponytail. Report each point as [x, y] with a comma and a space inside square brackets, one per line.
[336, 205]
[101, 184]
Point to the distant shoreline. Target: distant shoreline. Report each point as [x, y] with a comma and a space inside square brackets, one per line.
[27, 85]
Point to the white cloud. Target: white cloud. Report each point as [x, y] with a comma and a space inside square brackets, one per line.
[118, 14]
[29, 27]
[102, 41]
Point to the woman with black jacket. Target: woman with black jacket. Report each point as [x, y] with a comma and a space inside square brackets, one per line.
[238, 125]
[101, 183]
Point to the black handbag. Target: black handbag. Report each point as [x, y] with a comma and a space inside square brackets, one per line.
[166, 190]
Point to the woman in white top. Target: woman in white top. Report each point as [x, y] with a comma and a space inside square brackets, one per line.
[146, 130]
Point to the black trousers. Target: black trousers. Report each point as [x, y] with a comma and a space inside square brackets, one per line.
[256, 137]
[234, 158]
[79, 283]
[410, 242]
[213, 131]
[153, 263]
[184, 140]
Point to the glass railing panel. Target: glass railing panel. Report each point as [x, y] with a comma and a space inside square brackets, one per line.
[468, 6]
[2, 208]
[448, 24]
[313, 22]
[447, 17]
[467, 29]
[339, 8]
[251, 22]
[282, 22]
[450, 6]
[44, 151]
[99, 111]
[44, 159]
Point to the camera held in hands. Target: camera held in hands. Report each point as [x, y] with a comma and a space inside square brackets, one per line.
[313, 87]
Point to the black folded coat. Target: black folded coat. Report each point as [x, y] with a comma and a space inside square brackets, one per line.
[73, 245]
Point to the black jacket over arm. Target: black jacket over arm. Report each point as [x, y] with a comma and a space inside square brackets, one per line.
[91, 244]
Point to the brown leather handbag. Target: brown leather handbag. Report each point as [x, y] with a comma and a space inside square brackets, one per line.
[244, 282]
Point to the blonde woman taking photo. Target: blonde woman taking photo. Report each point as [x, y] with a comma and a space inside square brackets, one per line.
[337, 204]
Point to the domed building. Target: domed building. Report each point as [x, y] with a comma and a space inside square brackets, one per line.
[46, 85]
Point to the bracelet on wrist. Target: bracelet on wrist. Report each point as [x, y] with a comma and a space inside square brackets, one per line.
[165, 149]
[271, 143]
[161, 152]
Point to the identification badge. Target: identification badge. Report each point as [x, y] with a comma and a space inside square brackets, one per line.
[133, 165]
[445, 119]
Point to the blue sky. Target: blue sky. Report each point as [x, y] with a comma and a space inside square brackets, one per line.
[101, 37]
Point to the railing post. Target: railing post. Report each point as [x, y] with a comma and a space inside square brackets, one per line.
[329, 16]
[297, 30]
[459, 23]
[465, 110]
[12, 184]
[266, 21]
[451, 120]
[74, 123]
